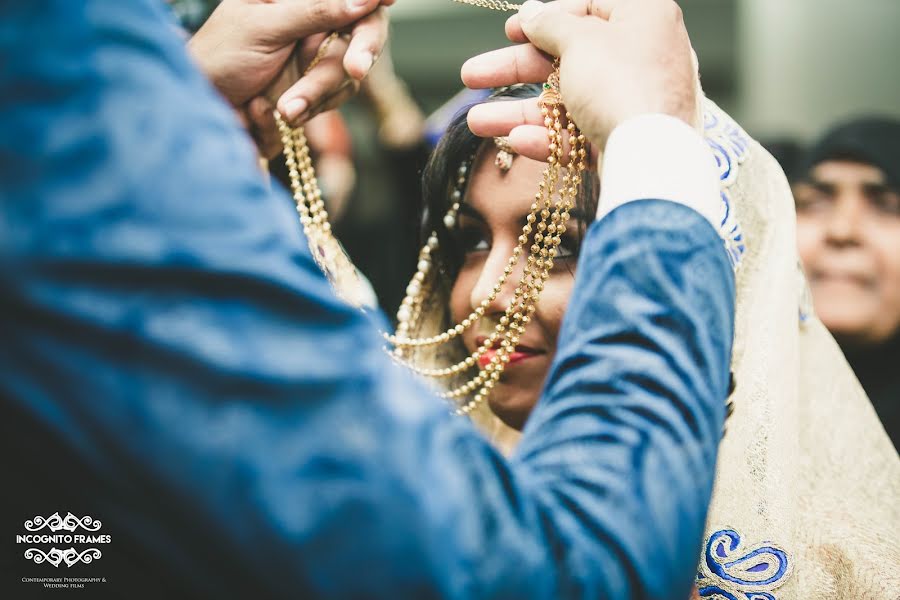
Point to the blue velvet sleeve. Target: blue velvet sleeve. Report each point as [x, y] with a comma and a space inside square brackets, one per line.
[174, 364]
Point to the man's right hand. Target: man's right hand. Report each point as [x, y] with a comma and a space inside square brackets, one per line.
[618, 59]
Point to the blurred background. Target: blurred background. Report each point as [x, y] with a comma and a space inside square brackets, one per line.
[781, 67]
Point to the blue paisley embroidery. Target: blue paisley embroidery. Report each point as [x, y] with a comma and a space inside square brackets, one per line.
[730, 147]
[806, 301]
[730, 231]
[730, 571]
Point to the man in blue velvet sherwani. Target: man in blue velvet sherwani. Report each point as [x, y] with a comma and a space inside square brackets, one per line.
[174, 364]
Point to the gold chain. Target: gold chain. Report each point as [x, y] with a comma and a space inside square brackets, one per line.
[501, 5]
[545, 225]
[320, 53]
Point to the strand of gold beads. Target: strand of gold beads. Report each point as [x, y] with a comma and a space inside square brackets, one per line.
[409, 304]
[547, 221]
[304, 185]
[500, 5]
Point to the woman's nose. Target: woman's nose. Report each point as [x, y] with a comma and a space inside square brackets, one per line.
[495, 286]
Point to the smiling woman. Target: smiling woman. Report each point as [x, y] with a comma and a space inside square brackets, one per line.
[489, 227]
[848, 219]
[498, 200]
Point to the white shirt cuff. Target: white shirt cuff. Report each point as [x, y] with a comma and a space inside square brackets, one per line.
[659, 157]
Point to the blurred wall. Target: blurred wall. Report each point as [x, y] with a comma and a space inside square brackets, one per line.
[432, 38]
[804, 64]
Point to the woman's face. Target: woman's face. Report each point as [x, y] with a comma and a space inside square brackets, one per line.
[489, 225]
[848, 233]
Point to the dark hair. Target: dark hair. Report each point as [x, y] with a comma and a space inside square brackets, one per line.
[459, 146]
[870, 140]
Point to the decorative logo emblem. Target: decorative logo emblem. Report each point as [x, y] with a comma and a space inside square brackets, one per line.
[56, 523]
[56, 556]
[50, 526]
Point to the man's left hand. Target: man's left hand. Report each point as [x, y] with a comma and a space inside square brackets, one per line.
[245, 44]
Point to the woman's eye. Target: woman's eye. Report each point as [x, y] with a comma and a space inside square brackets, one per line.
[886, 201]
[566, 249]
[473, 240]
[811, 199]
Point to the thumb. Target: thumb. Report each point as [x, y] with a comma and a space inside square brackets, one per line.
[548, 26]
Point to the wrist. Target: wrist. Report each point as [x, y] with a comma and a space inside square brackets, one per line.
[662, 157]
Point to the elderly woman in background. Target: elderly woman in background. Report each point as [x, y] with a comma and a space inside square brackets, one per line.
[848, 232]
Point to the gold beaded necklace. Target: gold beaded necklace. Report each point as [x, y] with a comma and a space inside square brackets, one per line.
[500, 5]
[545, 225]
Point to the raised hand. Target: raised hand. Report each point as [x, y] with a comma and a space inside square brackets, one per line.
[618, 59]
[245, 45]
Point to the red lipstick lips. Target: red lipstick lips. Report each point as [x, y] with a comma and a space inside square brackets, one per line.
[519, 353]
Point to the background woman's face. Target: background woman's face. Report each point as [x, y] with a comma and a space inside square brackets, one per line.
[848, 233]
[489, 225]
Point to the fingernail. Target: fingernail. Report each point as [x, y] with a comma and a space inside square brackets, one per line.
[294, 108]
[355, 5]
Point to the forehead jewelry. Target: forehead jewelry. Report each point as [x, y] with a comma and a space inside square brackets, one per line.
[539, 241]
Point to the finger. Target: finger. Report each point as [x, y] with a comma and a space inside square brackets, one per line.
[514, 31]
[551, 28]
[263, 127]
[530, 141]
[367, 39]
[493, 119]
[308, 49]
[311, 89]
[522, 121]
[289, 21]
[597, 8]
[335, 99]
[506, 66]
[294, 67]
